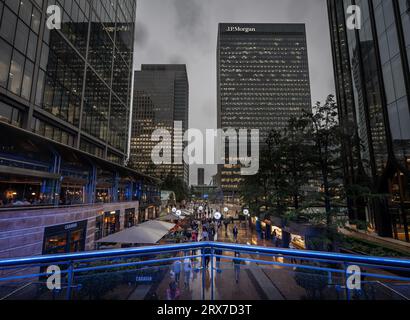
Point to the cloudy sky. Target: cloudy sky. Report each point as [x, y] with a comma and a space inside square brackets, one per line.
[185, 31]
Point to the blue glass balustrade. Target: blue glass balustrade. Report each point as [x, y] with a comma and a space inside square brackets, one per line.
[205, 271]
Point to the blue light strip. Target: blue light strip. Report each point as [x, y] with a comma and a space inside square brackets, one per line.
[122, 253]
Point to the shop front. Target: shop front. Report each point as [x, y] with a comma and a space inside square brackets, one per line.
[291, 235]
[142, 216]
[65, 238]
[130, 218]
[111, 222]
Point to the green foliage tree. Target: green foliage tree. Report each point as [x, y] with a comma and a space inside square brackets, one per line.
[324, 141]
[180, 188]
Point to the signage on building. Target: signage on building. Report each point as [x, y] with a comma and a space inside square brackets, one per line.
[144, 279]
[71, 226]
[240, 29]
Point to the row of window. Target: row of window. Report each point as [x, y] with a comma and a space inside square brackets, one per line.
[10, 115]
[46, 130]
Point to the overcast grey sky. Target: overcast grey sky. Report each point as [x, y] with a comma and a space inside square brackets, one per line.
[185, 31]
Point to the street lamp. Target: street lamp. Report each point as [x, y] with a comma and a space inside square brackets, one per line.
[247, 215]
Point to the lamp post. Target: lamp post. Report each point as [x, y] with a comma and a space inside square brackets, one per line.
[247, 217]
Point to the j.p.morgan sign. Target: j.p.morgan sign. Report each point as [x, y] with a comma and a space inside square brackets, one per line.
[240, 29]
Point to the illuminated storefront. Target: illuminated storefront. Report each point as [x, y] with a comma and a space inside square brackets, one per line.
[65, 238]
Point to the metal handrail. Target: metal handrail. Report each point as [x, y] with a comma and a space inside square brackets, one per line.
[117, 253]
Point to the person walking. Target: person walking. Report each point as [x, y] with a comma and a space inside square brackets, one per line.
[207, 252]
[194, 236]
[205, 235]
[187, 271]
[226, 223]
[177, 270]
[235, 232]
[173, 292]
[274, 237]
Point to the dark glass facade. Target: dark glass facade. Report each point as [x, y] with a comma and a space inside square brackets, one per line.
[201, 176]
[161, 97]
[263, 80]
[373, 91]
[72, 85]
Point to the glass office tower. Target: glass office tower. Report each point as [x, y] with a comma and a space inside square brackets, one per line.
[373, 92]
[263, 80]
[71, 85]
[161, 97]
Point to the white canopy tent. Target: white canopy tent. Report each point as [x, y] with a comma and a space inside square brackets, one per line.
[171, 217]
[149, 232]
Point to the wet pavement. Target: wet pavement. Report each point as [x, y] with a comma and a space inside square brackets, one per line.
[245, 282]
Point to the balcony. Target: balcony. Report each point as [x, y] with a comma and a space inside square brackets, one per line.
[208, 271]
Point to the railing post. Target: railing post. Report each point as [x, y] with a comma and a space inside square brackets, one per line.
[212, 273]
[203, 272]
[345, 282]
[70, 275]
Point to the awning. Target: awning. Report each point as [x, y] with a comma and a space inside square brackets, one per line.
[149, 232]
[171, 217]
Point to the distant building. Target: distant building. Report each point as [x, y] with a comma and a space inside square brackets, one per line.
[201, 176]
[373, 92]
[161, 97]
[263, 80]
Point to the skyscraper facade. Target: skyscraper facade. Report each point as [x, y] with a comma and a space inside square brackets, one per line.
[161, 99]
[201, 176]
[263, 81]
[74, 83]
[373, 91]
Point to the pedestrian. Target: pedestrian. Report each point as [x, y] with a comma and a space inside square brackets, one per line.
[173, 292]
[177, 270]
[187, 271]
[237, 266]
[235, 232]
[194, 236]
[205, 235]
[207, 253]
[211, 234]
[274, 235]
[218, 252]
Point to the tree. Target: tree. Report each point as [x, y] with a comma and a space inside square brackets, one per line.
[180, 188]
[295, 151]
[325, 137]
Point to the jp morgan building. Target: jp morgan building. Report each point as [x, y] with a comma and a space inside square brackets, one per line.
[263, 81]
[373, 92]
[64, 120]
